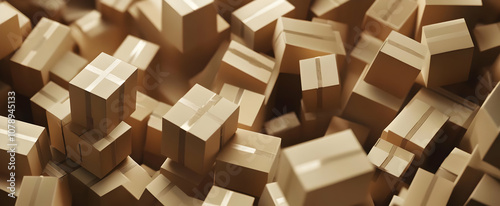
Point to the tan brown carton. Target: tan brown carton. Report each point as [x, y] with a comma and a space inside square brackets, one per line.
[397, 65]
[162, 191]
[152, 147]
[10, 30]
[453, 165]
[103, 94]
[4, 94]
[38, 190]
[24, 21]
[48, 41]
[385, 16]
[28, 143]
[350, 12]
[428, 189]
[287, 127]
[114, 11]
[66, 68]
[342, 28]
[221, 196]
[310, 172]
[191, 183]
[320, 83]
[295, 40]
[58, 116]
[255, 22]
[314, 124]
[50, 95]
[487, 42]
[485, 192]
[272, 196]
[196, 127]
[251, 104]
[254, 156]
[338, 124]
[450, 53]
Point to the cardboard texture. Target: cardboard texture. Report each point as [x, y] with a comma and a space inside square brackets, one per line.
[58, 116]
[191, 183]
[338, 124]
[66, 68]
[252, 108]
[350, 12]
[10, 35]
[453, 165]
[114, 11]
[385, 16]
[397, 65]
[152, 147]
[484, 193]
[43, 191]
[287, 127]
[255, 155]
[364, 52]
[303, 171]
[48, 41]
[428, 189]
[320, 82]
[98, 153]
[244, 68]
[221, 196]
[103, 94]
[272, 196]
[32, 151]
[294, 40]
[50, 95]
[255, 22]
[450, 53]
[196, 127]
[162, 191]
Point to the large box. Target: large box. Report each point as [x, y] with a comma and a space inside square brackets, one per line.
[50, 95]
[221, 196]
[191, 183]
[310, 172]
[287, 127]
[10, 30]
[252, 108]
[428, 189]
[272, 196]
[161, 191]
[66, 68]
[103, 94]
[58, 116]
[384, 16]
[487, 42]
[38, 190]
[152, 147]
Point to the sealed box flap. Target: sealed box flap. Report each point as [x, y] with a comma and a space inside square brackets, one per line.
[258, 14]
[447, 36]
[50, 94]
[319, 72]
[408, 118]
[276, 194]
[26, 136]
[405, 50]
[429, 128]
[37, 190]
[103, 143]
[248, 61]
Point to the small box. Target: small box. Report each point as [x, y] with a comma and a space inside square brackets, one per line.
[255, 155]
[485, 192]
[397, 65]
[221, 196]
[191, 183]
[162, 191]
[140, 53]
[207, 76]
[287, 127]
[255, 22]
[252, 108]
[151, 172]
[428, 189]
[43, 191]
[152, 147]
[103, 94]
[453, 165]
[10, 31]
[66, 68]
[58, 116]
[338, 124]
[272, 196]
[48, 42]
[320, 83]
[295, 40]
[305, 171]
[114, 11]
[350, 12]
[387, 15]
[50, 95]
[450, 53]
[196, 127]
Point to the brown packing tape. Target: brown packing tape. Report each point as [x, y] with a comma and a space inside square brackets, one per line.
[258, 13]
[252, 150]
[49, 96]
[429, 190]
[416, 127]
[35, 141]
[250, 59]
[319, 76]
[404, 48]
[113, 149]
[388, 158]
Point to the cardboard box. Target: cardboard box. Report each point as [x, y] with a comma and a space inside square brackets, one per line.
[342, 28]
[255, 22]
[287, 127]
[66, 68]
[350, 12]
[314, 124]
[58, 116]
[10, 35]
[320, 83]
[114, 11]
[487, 42]
[50, 95]
[103, 94]
[31, 144]
[245, 68]
[24, 21]
[254, 155]
[272, 196]
[338, 124]
[140, 53]
[450, 53]
[43, 191]
[225, 8]
[161, 191]
[428, 189]
[397, 65]
[47, 43]
[191, 183]
[207, 76]
[96, 152]
[183, 21]
[252, 108]
[221, 196]
[152, 146]
[385, 16]
[138, 120]
[453, 165]
[304, 171]
[196, 127]
[294, 40]
[485, 192]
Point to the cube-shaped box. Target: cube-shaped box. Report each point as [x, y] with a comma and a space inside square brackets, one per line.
[38, 190]
[255, 155]
[384, 16]
[363, 53]
[319, 78]
[196, 127]
[50, 95]
[66, 68]
[485, 192]
[287, 127]
[103, 94]
[58, 116]
[245, 68]
[191, 183]
[252, 108]
[10, 30]
[221, 196]
[272, 196]
[428, 189]
[338, 124]
[416, 128]
[397, 65]
[48, 42]
[96, 152]
[450, 53]
[295, 40]
[161, 191]
[152, 147]
[255, 22]
[28, 143]
[310, 172]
